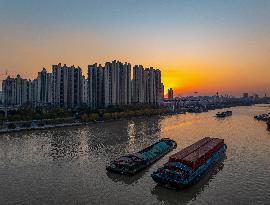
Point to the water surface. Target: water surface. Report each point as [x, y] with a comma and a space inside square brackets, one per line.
[67, 166]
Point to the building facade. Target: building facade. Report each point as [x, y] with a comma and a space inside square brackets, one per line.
[44, 88]
[138, 84]
[147, 87]
[162, 91]
[1, 98]
[66, 86]
[170, 94]
[16, 91]
[95, 86]
[109, 85]
[84, 90]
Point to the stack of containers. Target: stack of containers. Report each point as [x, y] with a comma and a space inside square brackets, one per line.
[188, 150]
[198, 153]
[201, 155]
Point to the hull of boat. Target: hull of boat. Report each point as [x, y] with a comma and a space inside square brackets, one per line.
[224, 114]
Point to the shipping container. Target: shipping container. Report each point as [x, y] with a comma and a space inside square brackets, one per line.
[188, 150]
[199, 156]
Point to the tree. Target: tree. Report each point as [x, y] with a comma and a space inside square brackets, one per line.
[93, 117]
[84, 117]
[107, 116]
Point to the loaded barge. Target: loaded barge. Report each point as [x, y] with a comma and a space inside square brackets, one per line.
[188, 165]
[263, 117]
[224, 114]
[133, 163]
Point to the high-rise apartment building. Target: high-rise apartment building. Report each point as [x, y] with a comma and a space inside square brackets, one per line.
[162, 91]
[66, 86]
[1, 98]
[158, 86]
[16, 91]
[34, 92]
[109, 85]
[138, 84]
[50, 88]
[95, 86]
[124, 84]
[44, 88]
[146, 85]
[170, 94]
[8, 86]
[84, 90]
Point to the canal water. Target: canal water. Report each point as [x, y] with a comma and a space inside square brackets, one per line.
[67, 166]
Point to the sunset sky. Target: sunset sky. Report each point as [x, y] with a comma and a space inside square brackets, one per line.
[204, 45]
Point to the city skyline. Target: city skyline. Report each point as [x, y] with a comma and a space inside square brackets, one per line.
[110, 85]
[204, 47]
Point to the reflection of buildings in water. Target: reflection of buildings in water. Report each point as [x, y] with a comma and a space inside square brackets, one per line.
[27, 147]
[147, 127]
[142, 132]
[184, 196]
[112, 138]
[65, 144]
[131, 136]
[126, 132]
[107, 133]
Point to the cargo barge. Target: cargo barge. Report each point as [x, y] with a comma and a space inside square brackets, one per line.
[263, 117]
[224, 114]
[189, 165]
[133, 163]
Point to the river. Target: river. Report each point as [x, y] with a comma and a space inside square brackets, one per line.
[67, 166]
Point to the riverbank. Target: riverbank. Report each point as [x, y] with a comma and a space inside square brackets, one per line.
[85, 119]
[20, 129]
[75, 124]
[92, 118]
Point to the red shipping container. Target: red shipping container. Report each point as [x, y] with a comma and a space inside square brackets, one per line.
[186, 151]
[199, 156]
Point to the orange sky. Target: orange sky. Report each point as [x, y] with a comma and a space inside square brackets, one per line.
[186, 71]
[208, 48]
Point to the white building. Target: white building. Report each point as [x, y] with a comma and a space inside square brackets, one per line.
[44, 88]
[16, 91]
[138, 84]
[66, 86]
[95, 86]
[84, 90]
[109, 85]
[125, 84]
[147, 87]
